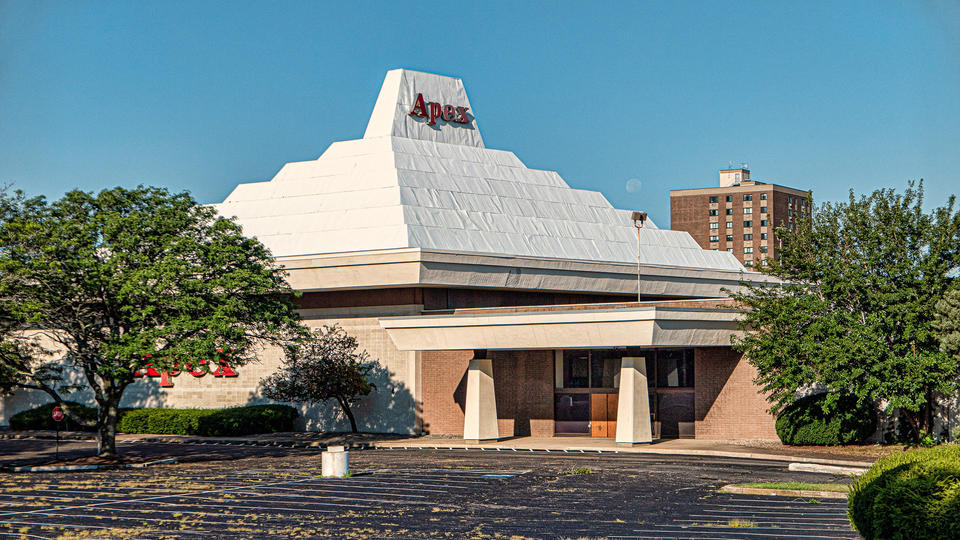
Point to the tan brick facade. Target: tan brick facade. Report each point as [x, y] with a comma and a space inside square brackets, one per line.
[728, 404]
[524, 391]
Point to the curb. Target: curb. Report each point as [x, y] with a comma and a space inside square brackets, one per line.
[852, 465]
[784, 492]
[826, 469]
[71, 468]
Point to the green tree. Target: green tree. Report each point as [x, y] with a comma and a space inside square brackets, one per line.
[947, 322]
[327, 366]
[855, 311]
[127, 278]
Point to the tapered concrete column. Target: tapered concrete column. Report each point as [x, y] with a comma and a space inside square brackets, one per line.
[633, 408]
[480, 414]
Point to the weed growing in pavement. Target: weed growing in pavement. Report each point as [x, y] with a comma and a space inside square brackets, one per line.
[741, 523]
[578, 470]
[814, 501]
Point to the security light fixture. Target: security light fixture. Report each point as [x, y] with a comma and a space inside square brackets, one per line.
[638, 219]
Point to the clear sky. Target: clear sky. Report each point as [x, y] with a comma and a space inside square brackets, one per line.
[632, 99]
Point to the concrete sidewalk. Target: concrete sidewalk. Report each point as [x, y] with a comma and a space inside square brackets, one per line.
[768, 450]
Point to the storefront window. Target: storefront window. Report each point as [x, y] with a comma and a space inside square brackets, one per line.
[591, 368]
[675, 368]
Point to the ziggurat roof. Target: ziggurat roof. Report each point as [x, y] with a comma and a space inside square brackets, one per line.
[406, 184]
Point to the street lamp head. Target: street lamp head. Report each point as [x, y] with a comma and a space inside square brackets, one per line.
[638, 219]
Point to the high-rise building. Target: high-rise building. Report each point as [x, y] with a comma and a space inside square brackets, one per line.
[741, 216]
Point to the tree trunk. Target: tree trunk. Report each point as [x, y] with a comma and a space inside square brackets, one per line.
[107, 436]
[349, 413]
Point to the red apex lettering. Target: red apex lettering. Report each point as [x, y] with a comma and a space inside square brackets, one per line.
[419, 109]
[433, 110]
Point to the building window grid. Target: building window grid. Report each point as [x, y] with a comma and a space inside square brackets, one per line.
[748, 197]
[748, 237]
[747, 223]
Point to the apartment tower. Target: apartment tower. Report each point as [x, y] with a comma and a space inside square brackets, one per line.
[741, 216]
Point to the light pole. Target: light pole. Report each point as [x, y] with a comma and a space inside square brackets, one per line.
[638, 219]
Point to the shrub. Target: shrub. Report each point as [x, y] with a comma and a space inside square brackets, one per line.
[915, 494]
[42, 418]
[804, 422]
[210, 422]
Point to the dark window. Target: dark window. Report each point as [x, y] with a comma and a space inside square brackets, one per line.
[590, 369]
[714, 199]
[748, 197]
[763, 209]
[748, 237]
[675, 368]
[763, 223]
[729, 238]
[729, 211]
[763, 236]
[576, 369]
[729, 198]
[748, 223]
[763, 196]
[713, 212]
[763, 249]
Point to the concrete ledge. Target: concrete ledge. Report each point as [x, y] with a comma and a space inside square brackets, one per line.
[784, 492]
[646, 448]
[826, 469]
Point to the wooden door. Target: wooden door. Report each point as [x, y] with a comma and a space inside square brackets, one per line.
[612, 401]
[603, 415]
[598, 415]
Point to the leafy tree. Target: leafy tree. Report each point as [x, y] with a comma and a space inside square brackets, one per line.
[124, 279]
[947, 322]
[855, 309]
[327, 366]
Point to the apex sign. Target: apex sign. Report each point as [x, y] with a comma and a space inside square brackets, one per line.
[433, 110]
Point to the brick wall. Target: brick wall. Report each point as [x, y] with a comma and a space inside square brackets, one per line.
[728, 405]
[443, 383]
[523, 383]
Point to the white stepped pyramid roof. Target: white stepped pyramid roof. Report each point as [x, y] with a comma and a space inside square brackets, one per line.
[410, 184]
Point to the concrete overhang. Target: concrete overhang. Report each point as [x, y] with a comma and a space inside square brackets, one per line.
[414, 267]
[630, 327]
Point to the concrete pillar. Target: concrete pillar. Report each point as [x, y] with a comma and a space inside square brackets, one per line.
[633, 408]
[480, 414]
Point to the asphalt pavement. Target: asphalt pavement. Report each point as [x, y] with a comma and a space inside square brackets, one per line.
[256, 492]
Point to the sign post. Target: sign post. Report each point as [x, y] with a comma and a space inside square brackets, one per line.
[58, 417]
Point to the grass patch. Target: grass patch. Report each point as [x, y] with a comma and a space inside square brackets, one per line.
[800, 486]
[578, 470]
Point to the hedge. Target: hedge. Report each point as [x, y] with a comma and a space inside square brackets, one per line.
[42, 418]
[210, 422]
[915, 494]
[803, 422]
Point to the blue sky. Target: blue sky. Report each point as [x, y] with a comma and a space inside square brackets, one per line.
[651, 95]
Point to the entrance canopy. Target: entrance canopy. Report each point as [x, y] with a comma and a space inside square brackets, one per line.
[565, 328]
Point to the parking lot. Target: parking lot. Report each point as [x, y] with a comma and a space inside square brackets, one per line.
[420, 494]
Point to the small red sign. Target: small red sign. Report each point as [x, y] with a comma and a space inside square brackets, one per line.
[57, 414]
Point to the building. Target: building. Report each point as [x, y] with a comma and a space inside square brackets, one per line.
[739, 217]
[497, 300]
